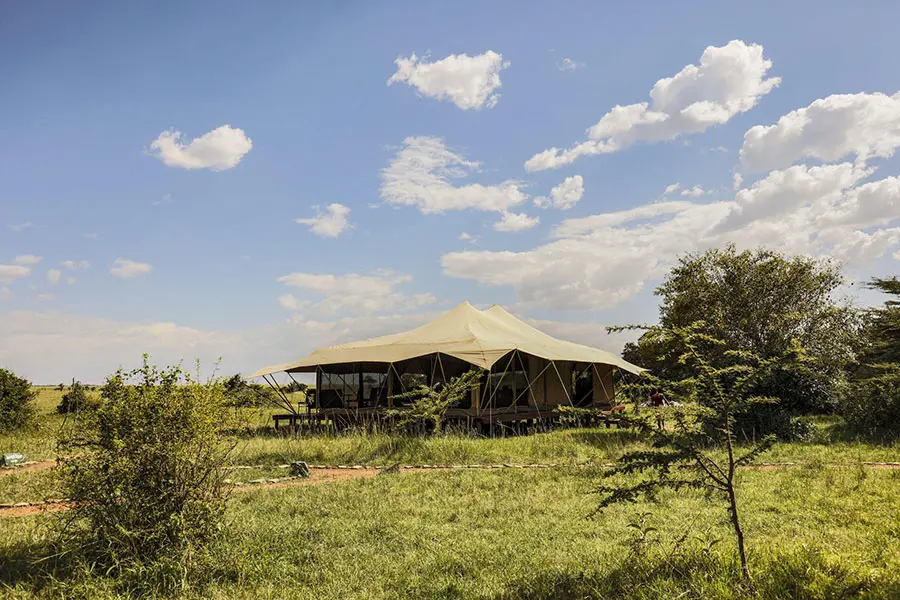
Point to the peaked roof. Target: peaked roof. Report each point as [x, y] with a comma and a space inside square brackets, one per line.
[475, 336]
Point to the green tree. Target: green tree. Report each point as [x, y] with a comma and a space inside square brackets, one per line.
[145, 471]
[74, 400]
[16, 401]
[430, 404]
[762, 302]
[882, 325]
[698, 449]
[872, 404]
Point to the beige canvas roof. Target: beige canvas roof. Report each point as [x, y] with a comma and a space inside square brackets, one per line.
[475, 336]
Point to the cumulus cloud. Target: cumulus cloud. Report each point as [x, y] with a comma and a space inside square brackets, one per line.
[467, 81]
[330, 224]
[26, 260]
[567, 64]
[694, 192]
[9, 273]
[602, 260]
[671, 189]
[829, 129]
[565, 195]
[127, 269]
[352, 293]
[220, 149]
[73, 265]
[422, 175]
[729, 80]
[53, 276]
[510, 222]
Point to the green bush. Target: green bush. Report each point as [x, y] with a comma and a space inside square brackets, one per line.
[145, 471]
[872, 405]
[74, 400]
[16, 401]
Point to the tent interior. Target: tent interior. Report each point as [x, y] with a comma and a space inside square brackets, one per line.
[527, 372]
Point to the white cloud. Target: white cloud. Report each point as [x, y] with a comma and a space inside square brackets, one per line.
[72, 265]
[729, 80]
[220, 149]
[330, 224]
[467, 81]
[694, 192]
[352, 293]
[5, 293]
[510, 222]
[71, 280]
[46, 297]
[51, 346]
[829, 129]
[568, 64]
[422, 173]
[127, 269]
[602, 260]
[465, 236]
[9, 273]
[290, 302]
[21, 226]
[26, 260]
[565, 195]
[671, 189]
[53, 276]
[736, 181]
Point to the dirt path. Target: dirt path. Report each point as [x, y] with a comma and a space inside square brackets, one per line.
[320, 475]
[28, 466]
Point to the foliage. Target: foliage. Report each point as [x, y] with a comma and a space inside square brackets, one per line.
[762, 302]
[872, 403]
[685, 455]
[882, 328]
[74, 400]
[16, 402]
[872, 407]
[294, 387]
[430, 404]
[145, 472]
[239, 393]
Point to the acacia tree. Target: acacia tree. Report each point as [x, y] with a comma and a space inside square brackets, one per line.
[431, 403]
[761, 302]
[698, 450]
[873, 405]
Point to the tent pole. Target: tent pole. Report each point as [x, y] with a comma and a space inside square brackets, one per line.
[274, 385]
[562, 383]
[603, 385]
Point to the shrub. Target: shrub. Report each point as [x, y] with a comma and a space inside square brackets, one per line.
[16, 397]
[239, 393]
[872, 405]
[145, 471]
[74, 400]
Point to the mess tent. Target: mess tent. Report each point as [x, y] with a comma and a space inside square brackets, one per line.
[527, 372]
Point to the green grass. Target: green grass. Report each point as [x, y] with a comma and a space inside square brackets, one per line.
[822, 532]
[826, 529]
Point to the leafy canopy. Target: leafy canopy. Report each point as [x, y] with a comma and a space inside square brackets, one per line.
[761, 302]
[16, 401]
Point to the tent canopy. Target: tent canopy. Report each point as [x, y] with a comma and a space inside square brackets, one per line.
[477, 337]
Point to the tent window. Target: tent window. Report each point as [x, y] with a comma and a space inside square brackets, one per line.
[584, 386]
[374, 386]
[509, 388]
[338, 390]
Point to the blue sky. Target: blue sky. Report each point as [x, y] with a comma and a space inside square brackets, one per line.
[216, 265]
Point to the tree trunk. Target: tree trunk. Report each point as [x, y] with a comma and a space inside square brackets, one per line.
[739, 533]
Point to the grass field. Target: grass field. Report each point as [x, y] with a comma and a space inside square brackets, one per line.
[826, 528]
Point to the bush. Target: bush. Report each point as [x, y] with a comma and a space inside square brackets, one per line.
[16, 397]
[145, 471]
[240, 394]
[872, 405]
[74, 400]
